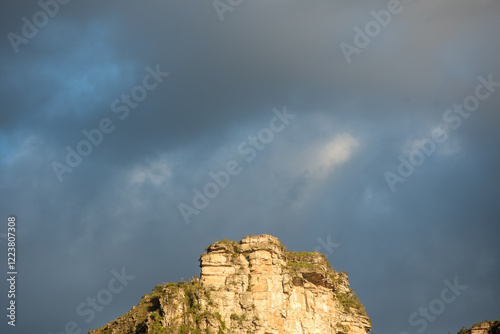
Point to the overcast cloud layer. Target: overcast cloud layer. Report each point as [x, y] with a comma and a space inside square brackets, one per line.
[320, 175]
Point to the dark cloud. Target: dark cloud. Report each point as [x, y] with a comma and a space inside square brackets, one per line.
[322, 175]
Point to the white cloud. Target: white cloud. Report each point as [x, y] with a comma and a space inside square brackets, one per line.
[155, 172]
[326, 156]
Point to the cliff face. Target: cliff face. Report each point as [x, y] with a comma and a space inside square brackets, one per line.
[254, 286]
[485, 327]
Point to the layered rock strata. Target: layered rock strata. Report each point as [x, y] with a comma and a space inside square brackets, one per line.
[485, 327]
[251, 286]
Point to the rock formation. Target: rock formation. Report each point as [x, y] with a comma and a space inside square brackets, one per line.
[485, 327]
[254, 286]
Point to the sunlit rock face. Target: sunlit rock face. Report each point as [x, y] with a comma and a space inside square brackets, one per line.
[485, 327]
[251, 286]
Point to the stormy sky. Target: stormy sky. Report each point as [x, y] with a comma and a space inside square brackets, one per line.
[135, 133]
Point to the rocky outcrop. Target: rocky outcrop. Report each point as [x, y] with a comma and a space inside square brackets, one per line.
[251, 286]
[485, 327]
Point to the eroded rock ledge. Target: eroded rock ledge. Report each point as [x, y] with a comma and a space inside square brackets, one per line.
[485, 327]
[251, 286]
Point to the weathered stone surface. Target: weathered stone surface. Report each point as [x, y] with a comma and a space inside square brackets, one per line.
[254, 286]
[485, 327]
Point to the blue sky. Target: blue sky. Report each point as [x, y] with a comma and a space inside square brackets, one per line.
[321, 175]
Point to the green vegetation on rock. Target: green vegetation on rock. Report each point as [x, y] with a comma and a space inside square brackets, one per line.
[185, 298]
[493, 327]
[350, 301]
